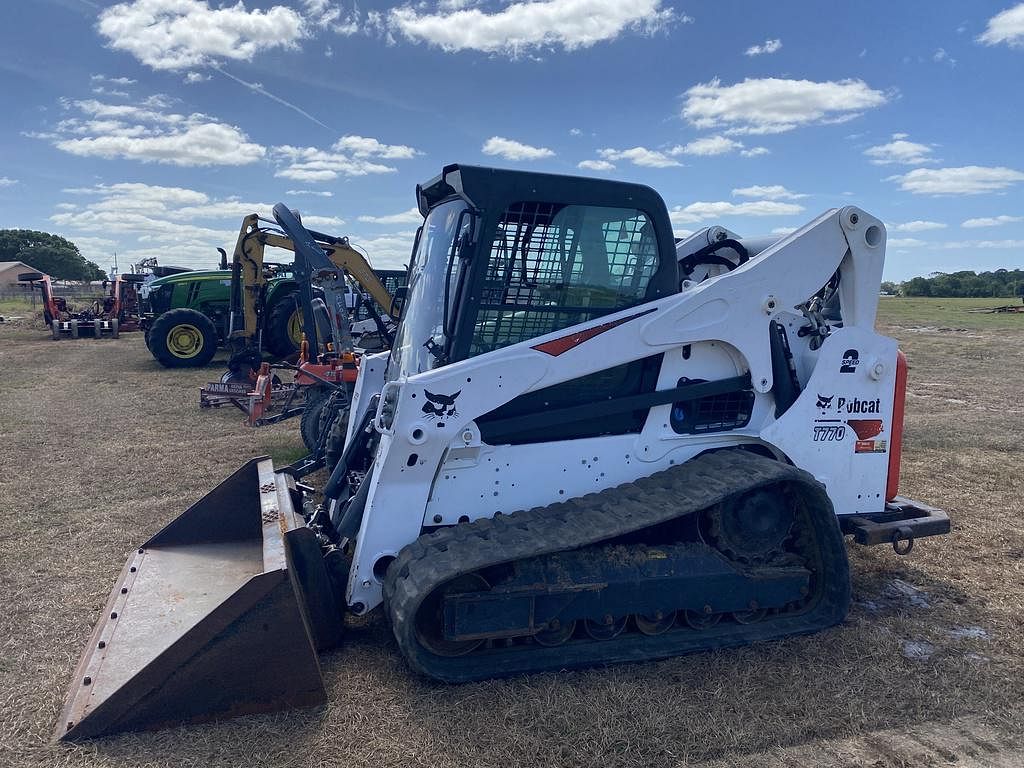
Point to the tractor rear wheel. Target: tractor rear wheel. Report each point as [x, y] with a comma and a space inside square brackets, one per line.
[115, 328]
[283, 335]
[183, 338]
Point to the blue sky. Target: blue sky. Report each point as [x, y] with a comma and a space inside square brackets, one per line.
[150, 127]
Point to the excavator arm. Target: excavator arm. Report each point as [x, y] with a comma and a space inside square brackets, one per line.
[249, 279]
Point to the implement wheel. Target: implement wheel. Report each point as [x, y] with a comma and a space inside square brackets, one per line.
[183, 338]
[55, 329]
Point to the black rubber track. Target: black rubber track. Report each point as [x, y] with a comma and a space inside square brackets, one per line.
[437, 557]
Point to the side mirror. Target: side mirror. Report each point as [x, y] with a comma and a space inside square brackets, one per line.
[398, 301]
[223, 258]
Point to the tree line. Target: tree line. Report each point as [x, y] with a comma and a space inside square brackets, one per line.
[51, 254]
[1002, 283]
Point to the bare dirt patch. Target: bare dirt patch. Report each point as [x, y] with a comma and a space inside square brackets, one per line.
[100, 447]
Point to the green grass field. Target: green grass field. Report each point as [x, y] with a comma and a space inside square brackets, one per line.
[947, 314]
[18, 306]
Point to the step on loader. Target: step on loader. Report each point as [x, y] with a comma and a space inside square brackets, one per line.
[590, 443]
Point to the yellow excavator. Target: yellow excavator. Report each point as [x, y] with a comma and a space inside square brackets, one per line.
[249, 315]
[251, 305]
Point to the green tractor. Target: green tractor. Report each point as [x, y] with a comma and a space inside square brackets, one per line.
[252, 305]
[186, 316]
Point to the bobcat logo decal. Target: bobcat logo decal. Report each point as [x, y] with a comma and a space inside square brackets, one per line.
[824, 403]
[440, 406]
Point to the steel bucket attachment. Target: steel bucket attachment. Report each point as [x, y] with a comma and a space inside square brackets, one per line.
[220, 614]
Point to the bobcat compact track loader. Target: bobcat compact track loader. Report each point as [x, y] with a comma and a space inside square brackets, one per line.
[589, 444]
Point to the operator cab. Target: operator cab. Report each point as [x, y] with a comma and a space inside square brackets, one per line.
[508, 263]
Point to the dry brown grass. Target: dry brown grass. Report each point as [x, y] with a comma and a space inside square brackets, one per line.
[99, 447]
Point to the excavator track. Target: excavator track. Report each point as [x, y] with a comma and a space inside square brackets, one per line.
[463, 551]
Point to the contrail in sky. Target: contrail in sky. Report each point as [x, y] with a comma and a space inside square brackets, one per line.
[261, 90]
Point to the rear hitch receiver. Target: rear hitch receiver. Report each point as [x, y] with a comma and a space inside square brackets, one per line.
[900, 524]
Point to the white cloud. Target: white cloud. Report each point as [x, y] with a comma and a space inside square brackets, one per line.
[1005, 27]
[6, 181]
[991, 221]
[313, 192]
[768, 192]
[196, 77]
[596, 165]
[149, 133]
[321, 12]
[905, 242]
[769, 46]
[695, 213]
[363, 146]
[176, 224]
[940, 55]
[412, 216]
[755, 151]
[916, 226]
[390, 251]
[899, 151]
[783, 231]
[575, 131]
[966, 180]
[112, 80]
[509, 149]
[775, 105]
[186, 34]
[984, 244]
[708, 145]
[326, 15]
[322, 221]
[102, 90]
[348, 156]
[646, 158]
[521, 27]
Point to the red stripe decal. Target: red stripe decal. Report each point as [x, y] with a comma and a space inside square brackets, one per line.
[555, 347]
[892, 485]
